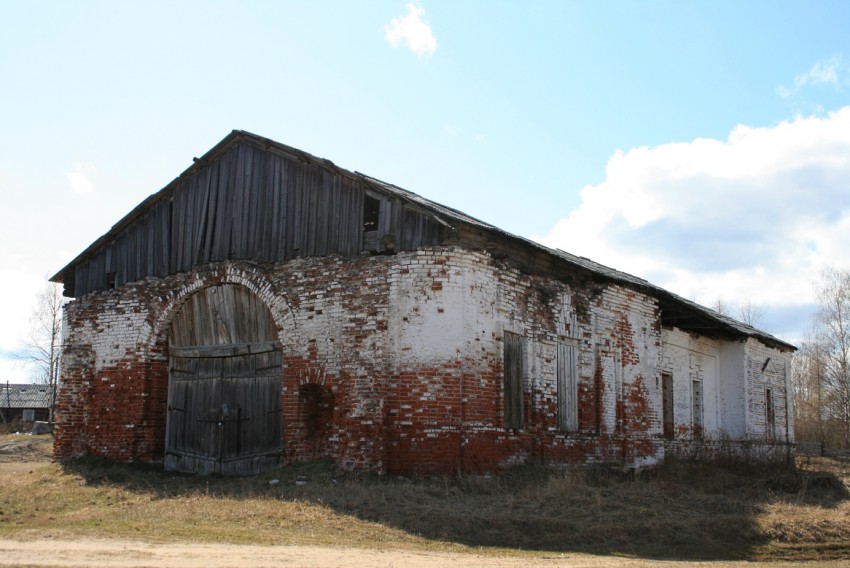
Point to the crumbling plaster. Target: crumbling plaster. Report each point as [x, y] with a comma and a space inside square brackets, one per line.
[409, 349]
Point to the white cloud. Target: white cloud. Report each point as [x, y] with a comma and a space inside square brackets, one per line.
[23, 273]
[783, 91]
[412, 30]
[827, 72]
[13, 370]
[756, 216]
[19, 284]
[821, 73]
[79, 180]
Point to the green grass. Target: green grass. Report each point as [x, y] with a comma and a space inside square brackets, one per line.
[680, 510]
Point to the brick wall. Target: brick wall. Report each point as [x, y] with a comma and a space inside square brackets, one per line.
[768, 369]
[691, 359]
[391, 363]
[734, 409]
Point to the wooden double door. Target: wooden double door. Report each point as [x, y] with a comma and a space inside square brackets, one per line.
[224, 385]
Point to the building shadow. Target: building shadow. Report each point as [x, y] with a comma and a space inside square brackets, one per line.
[681, 510]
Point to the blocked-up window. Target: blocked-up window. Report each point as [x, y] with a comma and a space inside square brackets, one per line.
[513, 354]
[567, 388]
[28, 415]
[770, 414]
[316, 408]
[667, 405]
[696, 407]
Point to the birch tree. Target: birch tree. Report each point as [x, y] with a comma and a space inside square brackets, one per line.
[43, 348]
[822, 377]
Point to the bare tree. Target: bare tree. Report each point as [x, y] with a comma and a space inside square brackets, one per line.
[43, 349]
[750, 313]
[720, 307]
[832, 334]
[807, 371]
[822, 378]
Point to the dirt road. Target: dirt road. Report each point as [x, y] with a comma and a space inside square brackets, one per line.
[131, 554]
[20, 454]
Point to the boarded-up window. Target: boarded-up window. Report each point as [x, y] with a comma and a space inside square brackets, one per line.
[567, 388]
[513, 354]
[667, 404]
[696, 407]
[29, 415]
[770, 414]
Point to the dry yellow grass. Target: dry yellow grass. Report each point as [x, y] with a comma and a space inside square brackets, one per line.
[682, 510]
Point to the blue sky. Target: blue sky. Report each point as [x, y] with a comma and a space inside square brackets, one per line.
[702, 145]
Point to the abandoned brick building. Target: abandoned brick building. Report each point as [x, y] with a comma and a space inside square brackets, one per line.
[268, 307]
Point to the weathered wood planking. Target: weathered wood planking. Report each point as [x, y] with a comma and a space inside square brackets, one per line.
[224, 385]
[253, 204]
[513, 358]
[667, 419]
[567, 379]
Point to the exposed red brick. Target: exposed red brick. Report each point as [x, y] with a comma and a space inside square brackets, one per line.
[391, 363]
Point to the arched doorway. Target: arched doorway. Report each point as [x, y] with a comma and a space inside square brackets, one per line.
[224, 385]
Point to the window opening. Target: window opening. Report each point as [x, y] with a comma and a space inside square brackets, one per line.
[769, 414]
[667, 404]
[371, 213]
[316, 408]
[696, 402]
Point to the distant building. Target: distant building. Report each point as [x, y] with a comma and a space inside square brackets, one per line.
[25, 402]
[268, 307]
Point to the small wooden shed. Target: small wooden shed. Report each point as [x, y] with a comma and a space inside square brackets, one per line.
[27, 402]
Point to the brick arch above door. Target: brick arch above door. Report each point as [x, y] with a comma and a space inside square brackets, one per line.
[251, 276]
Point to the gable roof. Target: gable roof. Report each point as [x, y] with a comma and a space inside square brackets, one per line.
[24, 396]
[675, 310]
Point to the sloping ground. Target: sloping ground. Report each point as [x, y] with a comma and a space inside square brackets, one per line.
[16, 448]
[532, 516]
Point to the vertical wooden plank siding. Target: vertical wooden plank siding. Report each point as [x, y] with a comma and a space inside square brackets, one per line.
[255, 246]
[202, 195]
[220, 235]
[314, 185]
[513, 356]
[175, 221]
[567, 388]
[252, 204]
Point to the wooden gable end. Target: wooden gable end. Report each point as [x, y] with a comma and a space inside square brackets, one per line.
[251, 202]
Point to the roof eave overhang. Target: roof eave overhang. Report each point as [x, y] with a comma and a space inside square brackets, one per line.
[198, 163]
[689, 315]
